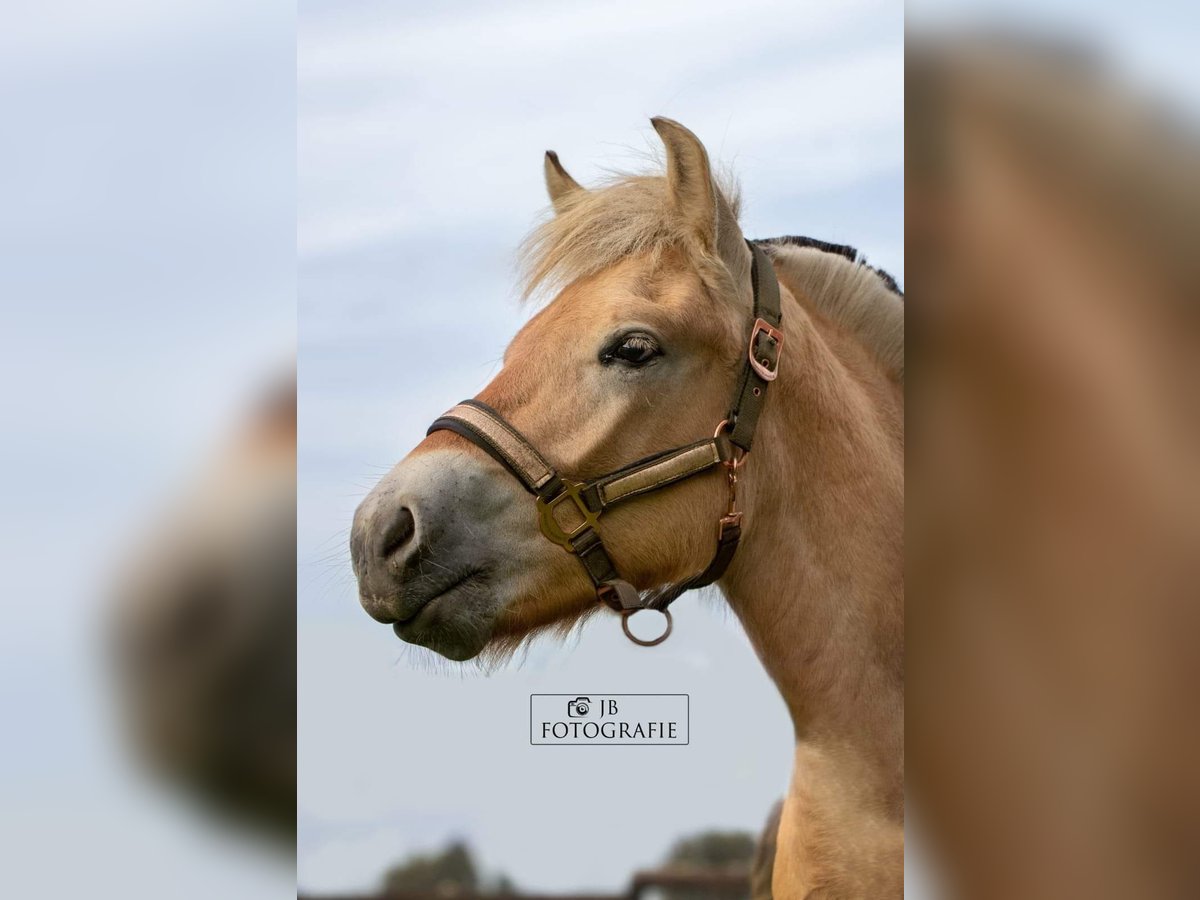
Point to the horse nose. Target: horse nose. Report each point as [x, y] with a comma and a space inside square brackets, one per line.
[396, 532]
[381, 542]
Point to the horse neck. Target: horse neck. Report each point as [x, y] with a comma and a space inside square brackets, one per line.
[817, 582]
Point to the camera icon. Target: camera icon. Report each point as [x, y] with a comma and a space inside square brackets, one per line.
[578, 708]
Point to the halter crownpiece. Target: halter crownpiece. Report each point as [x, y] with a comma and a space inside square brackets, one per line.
[569, 511]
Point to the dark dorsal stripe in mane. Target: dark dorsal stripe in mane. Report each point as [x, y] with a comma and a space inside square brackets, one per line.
[843, 250]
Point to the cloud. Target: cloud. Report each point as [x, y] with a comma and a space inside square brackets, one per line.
[440, 125]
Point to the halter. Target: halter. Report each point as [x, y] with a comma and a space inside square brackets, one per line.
[569, 511]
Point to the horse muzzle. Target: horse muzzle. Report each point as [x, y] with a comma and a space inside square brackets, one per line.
[432, 547]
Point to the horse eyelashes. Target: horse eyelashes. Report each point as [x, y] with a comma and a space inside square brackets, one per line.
[633, 350]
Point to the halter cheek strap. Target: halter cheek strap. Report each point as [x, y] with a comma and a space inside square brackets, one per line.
[569, 511]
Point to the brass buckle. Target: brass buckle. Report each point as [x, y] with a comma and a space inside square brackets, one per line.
[761, 326]
[549, 524]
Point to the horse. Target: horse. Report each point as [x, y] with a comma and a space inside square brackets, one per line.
[653, 286]
[202, 630]
[1051, 214]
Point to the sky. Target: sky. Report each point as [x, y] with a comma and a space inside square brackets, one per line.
[147, 290]
[421, 137]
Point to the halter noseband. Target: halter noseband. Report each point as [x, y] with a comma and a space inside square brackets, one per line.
[569, 511]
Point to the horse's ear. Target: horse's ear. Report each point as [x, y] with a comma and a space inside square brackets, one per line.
[696, 199]
[559, 184]
[689, 178]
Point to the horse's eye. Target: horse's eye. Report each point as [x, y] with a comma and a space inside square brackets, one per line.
[633, 350]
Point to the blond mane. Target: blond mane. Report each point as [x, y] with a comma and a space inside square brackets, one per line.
[631, 215]
[851, 294]
[627, 216]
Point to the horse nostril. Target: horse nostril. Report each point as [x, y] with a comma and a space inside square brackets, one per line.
[397, 532]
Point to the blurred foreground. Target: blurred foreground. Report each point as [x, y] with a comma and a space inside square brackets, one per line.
[1054, 475]
[147, 297]
[204, 633]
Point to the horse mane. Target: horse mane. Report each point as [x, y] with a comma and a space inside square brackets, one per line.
[631, 215]
[839, 282]
[597, 228]
[844, 250]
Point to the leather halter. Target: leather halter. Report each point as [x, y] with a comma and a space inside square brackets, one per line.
[569, 511]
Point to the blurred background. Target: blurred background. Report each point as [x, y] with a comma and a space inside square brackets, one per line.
[1053, 535]
[422, 135]
[147, 318]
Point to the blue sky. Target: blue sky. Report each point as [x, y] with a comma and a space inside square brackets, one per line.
[421, 139]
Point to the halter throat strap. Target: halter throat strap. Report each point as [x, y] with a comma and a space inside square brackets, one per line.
[569, 511]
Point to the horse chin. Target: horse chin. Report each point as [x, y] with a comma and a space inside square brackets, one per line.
[455, 647]
[457, 625]
[539, 614]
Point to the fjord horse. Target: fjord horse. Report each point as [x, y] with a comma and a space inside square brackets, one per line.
[639, 351]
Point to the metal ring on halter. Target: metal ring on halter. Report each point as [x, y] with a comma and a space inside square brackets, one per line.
[625, 614]
[739, 456]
